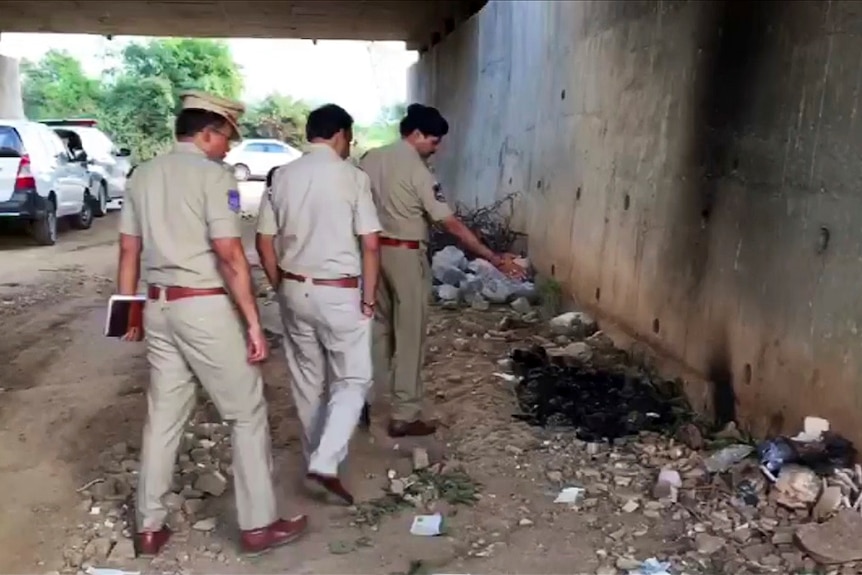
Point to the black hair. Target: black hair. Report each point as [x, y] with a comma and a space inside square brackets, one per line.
[269, 176]
[427, 119]
[326, 121]
[192, 121]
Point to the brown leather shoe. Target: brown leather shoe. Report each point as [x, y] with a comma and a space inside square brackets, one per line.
[333, 485]
[416, 428]
[365, 417]
[149, 543]
[282, 532]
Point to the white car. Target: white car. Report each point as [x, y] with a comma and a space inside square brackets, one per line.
[40, 181]
[108, 163]
[254, 158]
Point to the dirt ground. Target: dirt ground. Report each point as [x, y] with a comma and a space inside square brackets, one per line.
[67, 394]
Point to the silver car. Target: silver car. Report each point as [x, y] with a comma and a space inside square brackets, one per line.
[109, 165]
[254, 158]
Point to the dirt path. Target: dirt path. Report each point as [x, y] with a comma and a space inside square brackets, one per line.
[70, 401]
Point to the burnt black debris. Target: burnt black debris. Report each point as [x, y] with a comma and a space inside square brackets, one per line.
[599, 404]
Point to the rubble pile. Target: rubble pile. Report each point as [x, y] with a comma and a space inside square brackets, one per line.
[476, 283]
[640, 465]
[202, 472]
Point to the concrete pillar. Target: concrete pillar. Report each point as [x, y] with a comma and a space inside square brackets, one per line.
[11, 103]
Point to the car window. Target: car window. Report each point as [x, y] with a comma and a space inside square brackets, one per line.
[255, 147]
[96, 142]
[275, 148]
[10, 142]
[55, 144]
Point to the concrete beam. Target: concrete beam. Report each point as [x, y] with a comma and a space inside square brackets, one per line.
[380, 20]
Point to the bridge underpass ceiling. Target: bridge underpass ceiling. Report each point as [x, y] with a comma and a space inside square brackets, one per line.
[419, 23]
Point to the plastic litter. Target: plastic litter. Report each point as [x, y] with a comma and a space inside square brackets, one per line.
[823, 455]
[570, 495]
[652, 566]
[427, 525]
[110, 571]
[725, 458]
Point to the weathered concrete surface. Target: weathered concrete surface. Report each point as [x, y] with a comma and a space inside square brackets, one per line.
[691, 169]
[11, 105]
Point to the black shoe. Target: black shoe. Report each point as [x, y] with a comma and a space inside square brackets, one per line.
[365, 417]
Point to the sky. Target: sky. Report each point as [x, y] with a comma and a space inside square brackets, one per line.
[360, 76]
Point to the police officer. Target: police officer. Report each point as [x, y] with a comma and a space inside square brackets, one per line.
[407, 196]
[307, 243]
[181, 214]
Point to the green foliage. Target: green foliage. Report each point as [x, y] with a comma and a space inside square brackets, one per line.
[277, 116]
[56, 86]
[136, 102]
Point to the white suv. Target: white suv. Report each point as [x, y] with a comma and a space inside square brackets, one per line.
[40, 181]
[107, 163]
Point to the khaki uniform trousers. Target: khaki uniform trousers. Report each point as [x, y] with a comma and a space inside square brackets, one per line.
[202, 337]
[400, 326]
[328, 353]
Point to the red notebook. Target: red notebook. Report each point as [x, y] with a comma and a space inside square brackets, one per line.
[124, 313]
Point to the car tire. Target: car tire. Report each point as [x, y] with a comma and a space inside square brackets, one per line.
[44, 229]
[241, 172]
[84, 219]
[100, 204]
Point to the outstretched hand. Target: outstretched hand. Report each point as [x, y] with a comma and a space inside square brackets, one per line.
[509, 267]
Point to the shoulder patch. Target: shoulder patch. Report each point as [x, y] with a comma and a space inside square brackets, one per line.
[233, 201]
[438, 192]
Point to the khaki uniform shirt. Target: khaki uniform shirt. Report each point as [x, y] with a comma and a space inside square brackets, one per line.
[405, 191]
[177, 203]
[316, 208]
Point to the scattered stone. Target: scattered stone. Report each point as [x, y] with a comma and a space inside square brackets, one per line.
[213, 483]
[461, 344]
[606, 570]
[555, 476]
[707, 544]
[828, 503]
[521, 305]
[797, 487]
[97, 550]
[420, 459]
[627, 563]
[838, 540]
[690, 435]
[524, 522]
[574, 324]
[480, 304]
[630, 506]
[193, 506]
[578, 351]
[124, 550]
[173, 501]
[208, 524]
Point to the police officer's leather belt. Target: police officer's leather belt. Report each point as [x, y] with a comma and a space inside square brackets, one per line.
[350, 282]
[393, 243]
[178, 292]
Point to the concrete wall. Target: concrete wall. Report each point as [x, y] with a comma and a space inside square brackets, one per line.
[11, 105]
[690, 169]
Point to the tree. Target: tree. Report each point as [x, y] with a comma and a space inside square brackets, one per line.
[139, 113]
[135, 103]
[186, 64]
[57, 87]
[277, 116]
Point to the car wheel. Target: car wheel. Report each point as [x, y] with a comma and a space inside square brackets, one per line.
[44, 230]
[241, 172]
[100, 207]
[84, 219]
